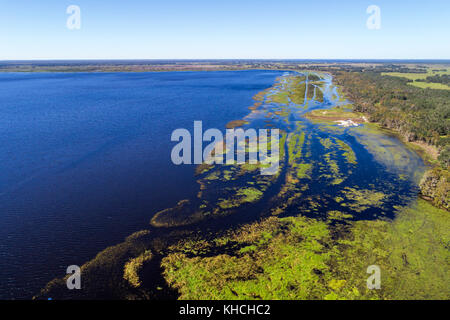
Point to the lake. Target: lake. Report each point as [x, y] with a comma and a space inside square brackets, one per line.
[85, 160]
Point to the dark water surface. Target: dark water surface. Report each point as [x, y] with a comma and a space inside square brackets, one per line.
[85, 159]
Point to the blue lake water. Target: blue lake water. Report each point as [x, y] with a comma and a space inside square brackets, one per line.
[85, 159]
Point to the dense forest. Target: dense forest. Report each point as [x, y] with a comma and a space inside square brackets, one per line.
[417, 114]
[439, 78]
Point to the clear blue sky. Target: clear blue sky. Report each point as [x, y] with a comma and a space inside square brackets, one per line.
[201, 29]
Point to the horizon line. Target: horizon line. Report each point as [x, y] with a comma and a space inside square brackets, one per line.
[226, 59]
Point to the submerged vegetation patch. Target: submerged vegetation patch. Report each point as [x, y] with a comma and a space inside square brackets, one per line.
[360, 200]
[298, 258]
[388, 151]
[245, 195]
[179, 215]
[290, 89]
[134, 267]
[235, 124]
[348, 152]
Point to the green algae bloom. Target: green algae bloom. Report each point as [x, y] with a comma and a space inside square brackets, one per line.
[360, 200]
[301, 260]
[348, 153]
[133, 268]
[245, 195]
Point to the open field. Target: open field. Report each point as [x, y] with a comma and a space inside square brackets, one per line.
[422, 76]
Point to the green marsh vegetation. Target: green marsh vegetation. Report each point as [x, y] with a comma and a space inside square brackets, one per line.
[213, 198]
[133, 268]
[348, 152]
[388, 150]
[290, 258]
[334, 114]
[244, 195]
[290, 89]
[319, 227]
[303, 258]
[235, 124]
[360, 200]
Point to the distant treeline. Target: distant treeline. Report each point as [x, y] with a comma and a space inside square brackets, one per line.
[367, 68]
[443, 78]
